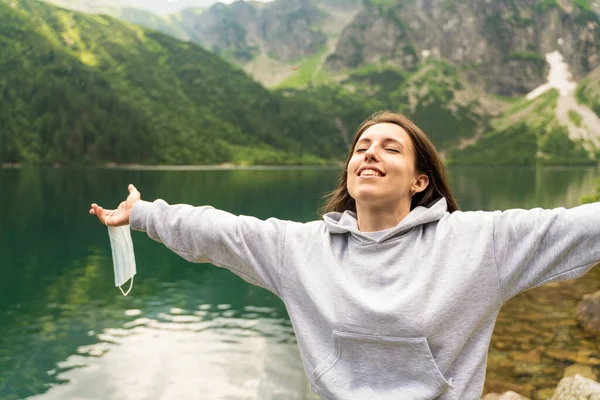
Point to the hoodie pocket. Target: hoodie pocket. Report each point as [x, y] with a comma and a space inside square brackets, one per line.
[366, 367]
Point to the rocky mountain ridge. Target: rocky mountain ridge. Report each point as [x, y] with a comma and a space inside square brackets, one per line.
[499, 44]
[460, 69]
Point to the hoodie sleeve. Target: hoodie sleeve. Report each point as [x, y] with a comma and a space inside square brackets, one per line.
[249, 247]
[533, 247]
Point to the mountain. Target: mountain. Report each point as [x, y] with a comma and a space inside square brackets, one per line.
[499, 44]
[269, 41]
[265, 39]
[155, 7]
[548, 126]
[434, 96]
[187, 106]
[289, 27]
[93, 89]
[524, 134]
[469, 126]
[169, 25]
[588, 92]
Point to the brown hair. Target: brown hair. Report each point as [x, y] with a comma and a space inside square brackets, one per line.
[427, 161]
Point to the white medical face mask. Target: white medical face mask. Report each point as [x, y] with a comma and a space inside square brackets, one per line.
[122, 254]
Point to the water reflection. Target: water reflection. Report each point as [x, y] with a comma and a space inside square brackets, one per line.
[207, 353]
[485, 188]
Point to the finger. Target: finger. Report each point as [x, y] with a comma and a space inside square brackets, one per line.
[102, 214]
[135, 195]
[98, 212]
[134, 192]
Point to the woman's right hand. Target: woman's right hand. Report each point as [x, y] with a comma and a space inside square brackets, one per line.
[120, 216]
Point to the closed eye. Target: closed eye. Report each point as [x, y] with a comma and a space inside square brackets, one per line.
[360, 150]
[393, 150]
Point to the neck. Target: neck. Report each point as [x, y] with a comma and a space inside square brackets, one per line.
[372, 219]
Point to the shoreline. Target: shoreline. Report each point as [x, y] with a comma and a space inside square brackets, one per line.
[229, 166]
[163, 167]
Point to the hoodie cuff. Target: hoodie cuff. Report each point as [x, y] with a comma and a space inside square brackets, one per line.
[139, 215]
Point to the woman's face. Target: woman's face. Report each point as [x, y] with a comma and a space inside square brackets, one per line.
[381, 171]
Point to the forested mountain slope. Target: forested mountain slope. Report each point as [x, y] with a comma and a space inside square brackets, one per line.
[90, 88]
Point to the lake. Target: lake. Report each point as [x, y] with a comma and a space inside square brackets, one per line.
[197, 331]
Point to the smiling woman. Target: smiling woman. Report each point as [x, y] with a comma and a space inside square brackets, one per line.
[394, 293]
[389, 146]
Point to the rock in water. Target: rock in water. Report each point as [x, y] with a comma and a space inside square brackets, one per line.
[577, 388]
[579, 369]
[504, 396]
[588, 312]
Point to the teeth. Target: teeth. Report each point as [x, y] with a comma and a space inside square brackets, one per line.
[369, 172]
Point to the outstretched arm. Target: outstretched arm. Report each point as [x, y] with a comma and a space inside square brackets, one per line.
[247, 246]
[533, 247]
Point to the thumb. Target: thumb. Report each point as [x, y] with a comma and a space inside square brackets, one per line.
[134, 192]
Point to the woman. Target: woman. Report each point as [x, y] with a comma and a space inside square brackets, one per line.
[394, 294]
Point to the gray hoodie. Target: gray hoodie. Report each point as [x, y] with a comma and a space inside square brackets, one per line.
[406, 315]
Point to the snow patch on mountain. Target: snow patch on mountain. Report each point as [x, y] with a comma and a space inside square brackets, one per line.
[559, 77]
[587, 127]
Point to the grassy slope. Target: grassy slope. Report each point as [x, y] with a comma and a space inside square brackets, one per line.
[304, 72]
[526, 133]
[441, 103]
[588, 91]
[90, 88]
[433, 96]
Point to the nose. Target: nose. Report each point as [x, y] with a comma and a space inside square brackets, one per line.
[370, 153]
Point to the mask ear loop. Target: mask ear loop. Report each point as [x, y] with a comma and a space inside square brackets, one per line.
[110, 215]
[131, 283]
[129, 290]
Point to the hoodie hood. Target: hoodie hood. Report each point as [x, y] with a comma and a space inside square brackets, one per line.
[346, 222]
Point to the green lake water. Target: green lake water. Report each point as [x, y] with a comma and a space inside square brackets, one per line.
[197, 331]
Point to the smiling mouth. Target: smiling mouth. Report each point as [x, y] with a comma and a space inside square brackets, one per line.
[371, 173]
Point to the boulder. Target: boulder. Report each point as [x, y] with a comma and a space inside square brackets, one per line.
[577, 388]
[588, 312]
[493, 385]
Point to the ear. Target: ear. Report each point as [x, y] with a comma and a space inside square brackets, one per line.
[420, 184]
